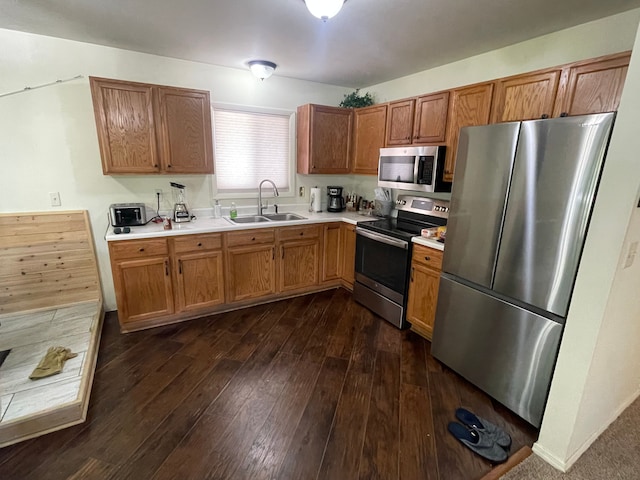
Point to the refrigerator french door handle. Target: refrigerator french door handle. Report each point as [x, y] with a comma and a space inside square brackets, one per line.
[382, 238]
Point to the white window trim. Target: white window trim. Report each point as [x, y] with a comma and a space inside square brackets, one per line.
[291, 193]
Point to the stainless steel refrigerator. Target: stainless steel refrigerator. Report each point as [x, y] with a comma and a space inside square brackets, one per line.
[520, 207]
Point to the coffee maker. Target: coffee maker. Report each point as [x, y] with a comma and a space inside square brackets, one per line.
[180, 211]
[336, 201]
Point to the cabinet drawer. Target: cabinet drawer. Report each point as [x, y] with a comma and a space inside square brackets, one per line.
[138, 248]
[251, 237]
[429, 257]
[194, 243]
[296, 233]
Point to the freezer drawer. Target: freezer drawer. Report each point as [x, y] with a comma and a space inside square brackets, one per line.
[506, 351]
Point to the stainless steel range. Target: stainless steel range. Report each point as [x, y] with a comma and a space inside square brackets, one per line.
[383, 255]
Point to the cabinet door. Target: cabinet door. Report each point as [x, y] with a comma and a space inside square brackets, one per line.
[348, 253]
[143, 289]
[369, 127]
[185, 130]
[430, 124]
[199, 280]
[525, 97]
[469, 106]
[331, 252]
[423, 298]
[299, 261]
[251, 272]
[323, 139]
[400, 122]
[593, 87]
[125, 125]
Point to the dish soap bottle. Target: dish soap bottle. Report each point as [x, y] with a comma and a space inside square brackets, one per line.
[233, 213]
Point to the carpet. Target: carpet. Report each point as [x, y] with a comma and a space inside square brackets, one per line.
[613, 456]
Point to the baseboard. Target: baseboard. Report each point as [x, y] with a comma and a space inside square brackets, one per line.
[565, 465]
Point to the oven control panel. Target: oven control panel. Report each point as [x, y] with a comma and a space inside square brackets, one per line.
[424, 205]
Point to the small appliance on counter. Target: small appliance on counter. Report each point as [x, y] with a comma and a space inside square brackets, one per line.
[336, 201]
[180, 211]
[127, 214]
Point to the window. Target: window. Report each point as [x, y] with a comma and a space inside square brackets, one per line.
[249, 147]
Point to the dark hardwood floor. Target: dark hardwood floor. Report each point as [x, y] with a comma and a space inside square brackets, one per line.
[316, 387]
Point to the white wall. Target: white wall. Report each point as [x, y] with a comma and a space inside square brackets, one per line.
[598, 371]
[48, 140]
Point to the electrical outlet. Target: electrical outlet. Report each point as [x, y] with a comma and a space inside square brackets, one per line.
[55, 199]
[301, 192]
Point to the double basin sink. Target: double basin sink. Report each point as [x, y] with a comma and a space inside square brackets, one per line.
[267, 217]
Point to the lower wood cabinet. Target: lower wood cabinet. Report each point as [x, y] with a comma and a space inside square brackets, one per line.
[198, 271]
[299, 262]
[348, 254]
[162, 280]
[426, 265]
[251, 264]
[142, 279]
[331, 243]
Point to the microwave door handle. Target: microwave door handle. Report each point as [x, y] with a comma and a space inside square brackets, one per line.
[416, 169]
[382, 238]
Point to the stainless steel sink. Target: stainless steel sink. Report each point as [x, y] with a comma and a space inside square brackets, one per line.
[249, 219]
[283, 217]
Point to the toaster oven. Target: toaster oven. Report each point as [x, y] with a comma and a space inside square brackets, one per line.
[127, 214]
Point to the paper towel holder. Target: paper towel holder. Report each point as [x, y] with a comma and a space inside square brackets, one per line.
[315, 202]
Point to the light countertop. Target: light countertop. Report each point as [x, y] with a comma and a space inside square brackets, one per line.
[205, 223]
[428, 242]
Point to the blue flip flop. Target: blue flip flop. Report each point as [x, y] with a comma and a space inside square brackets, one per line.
[494, 432]
[479, 442]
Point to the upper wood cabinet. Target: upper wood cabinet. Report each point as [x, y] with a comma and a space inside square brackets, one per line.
[525, 97]
[400, 122]
[469, 106]
[593, 86]
[145, 128]
[369, 136]
[324, 139]
[430, 123]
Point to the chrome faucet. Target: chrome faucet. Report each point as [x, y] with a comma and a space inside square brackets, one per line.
[275, 194]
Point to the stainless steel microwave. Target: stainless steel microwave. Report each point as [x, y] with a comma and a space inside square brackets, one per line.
[419, 169]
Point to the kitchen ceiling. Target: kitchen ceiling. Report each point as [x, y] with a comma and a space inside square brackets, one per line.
[368, 42]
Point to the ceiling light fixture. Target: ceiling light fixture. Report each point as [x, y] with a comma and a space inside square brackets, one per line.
[324, 9]
[262, 68]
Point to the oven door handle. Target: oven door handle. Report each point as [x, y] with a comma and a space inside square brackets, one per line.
[382, 238]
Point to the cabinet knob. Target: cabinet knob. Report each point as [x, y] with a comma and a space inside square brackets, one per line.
[564, 114]
[427, 258]
[544, 116]
[407, 138]
[155, 166]
[253, 239]
[141, 250]
[301, 233]
[199, 244]
[169, 165]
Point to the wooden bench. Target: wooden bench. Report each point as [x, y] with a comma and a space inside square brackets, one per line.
[49, 294]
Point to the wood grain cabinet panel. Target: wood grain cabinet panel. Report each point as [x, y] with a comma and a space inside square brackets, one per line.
[348, 254]
[331, 243]
[144, 128]
[525, 97]
[430, 123]
[426, 264]
[400, 122]
[299, 264]
[199, 280]
[185, 130]
[324, 136]
[369, 137]
[125, 123]
[593, 86]
[251, 272]
[469, 106]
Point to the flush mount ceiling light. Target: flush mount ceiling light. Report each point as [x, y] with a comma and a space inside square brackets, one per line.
[324, 9]
[262, 68]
